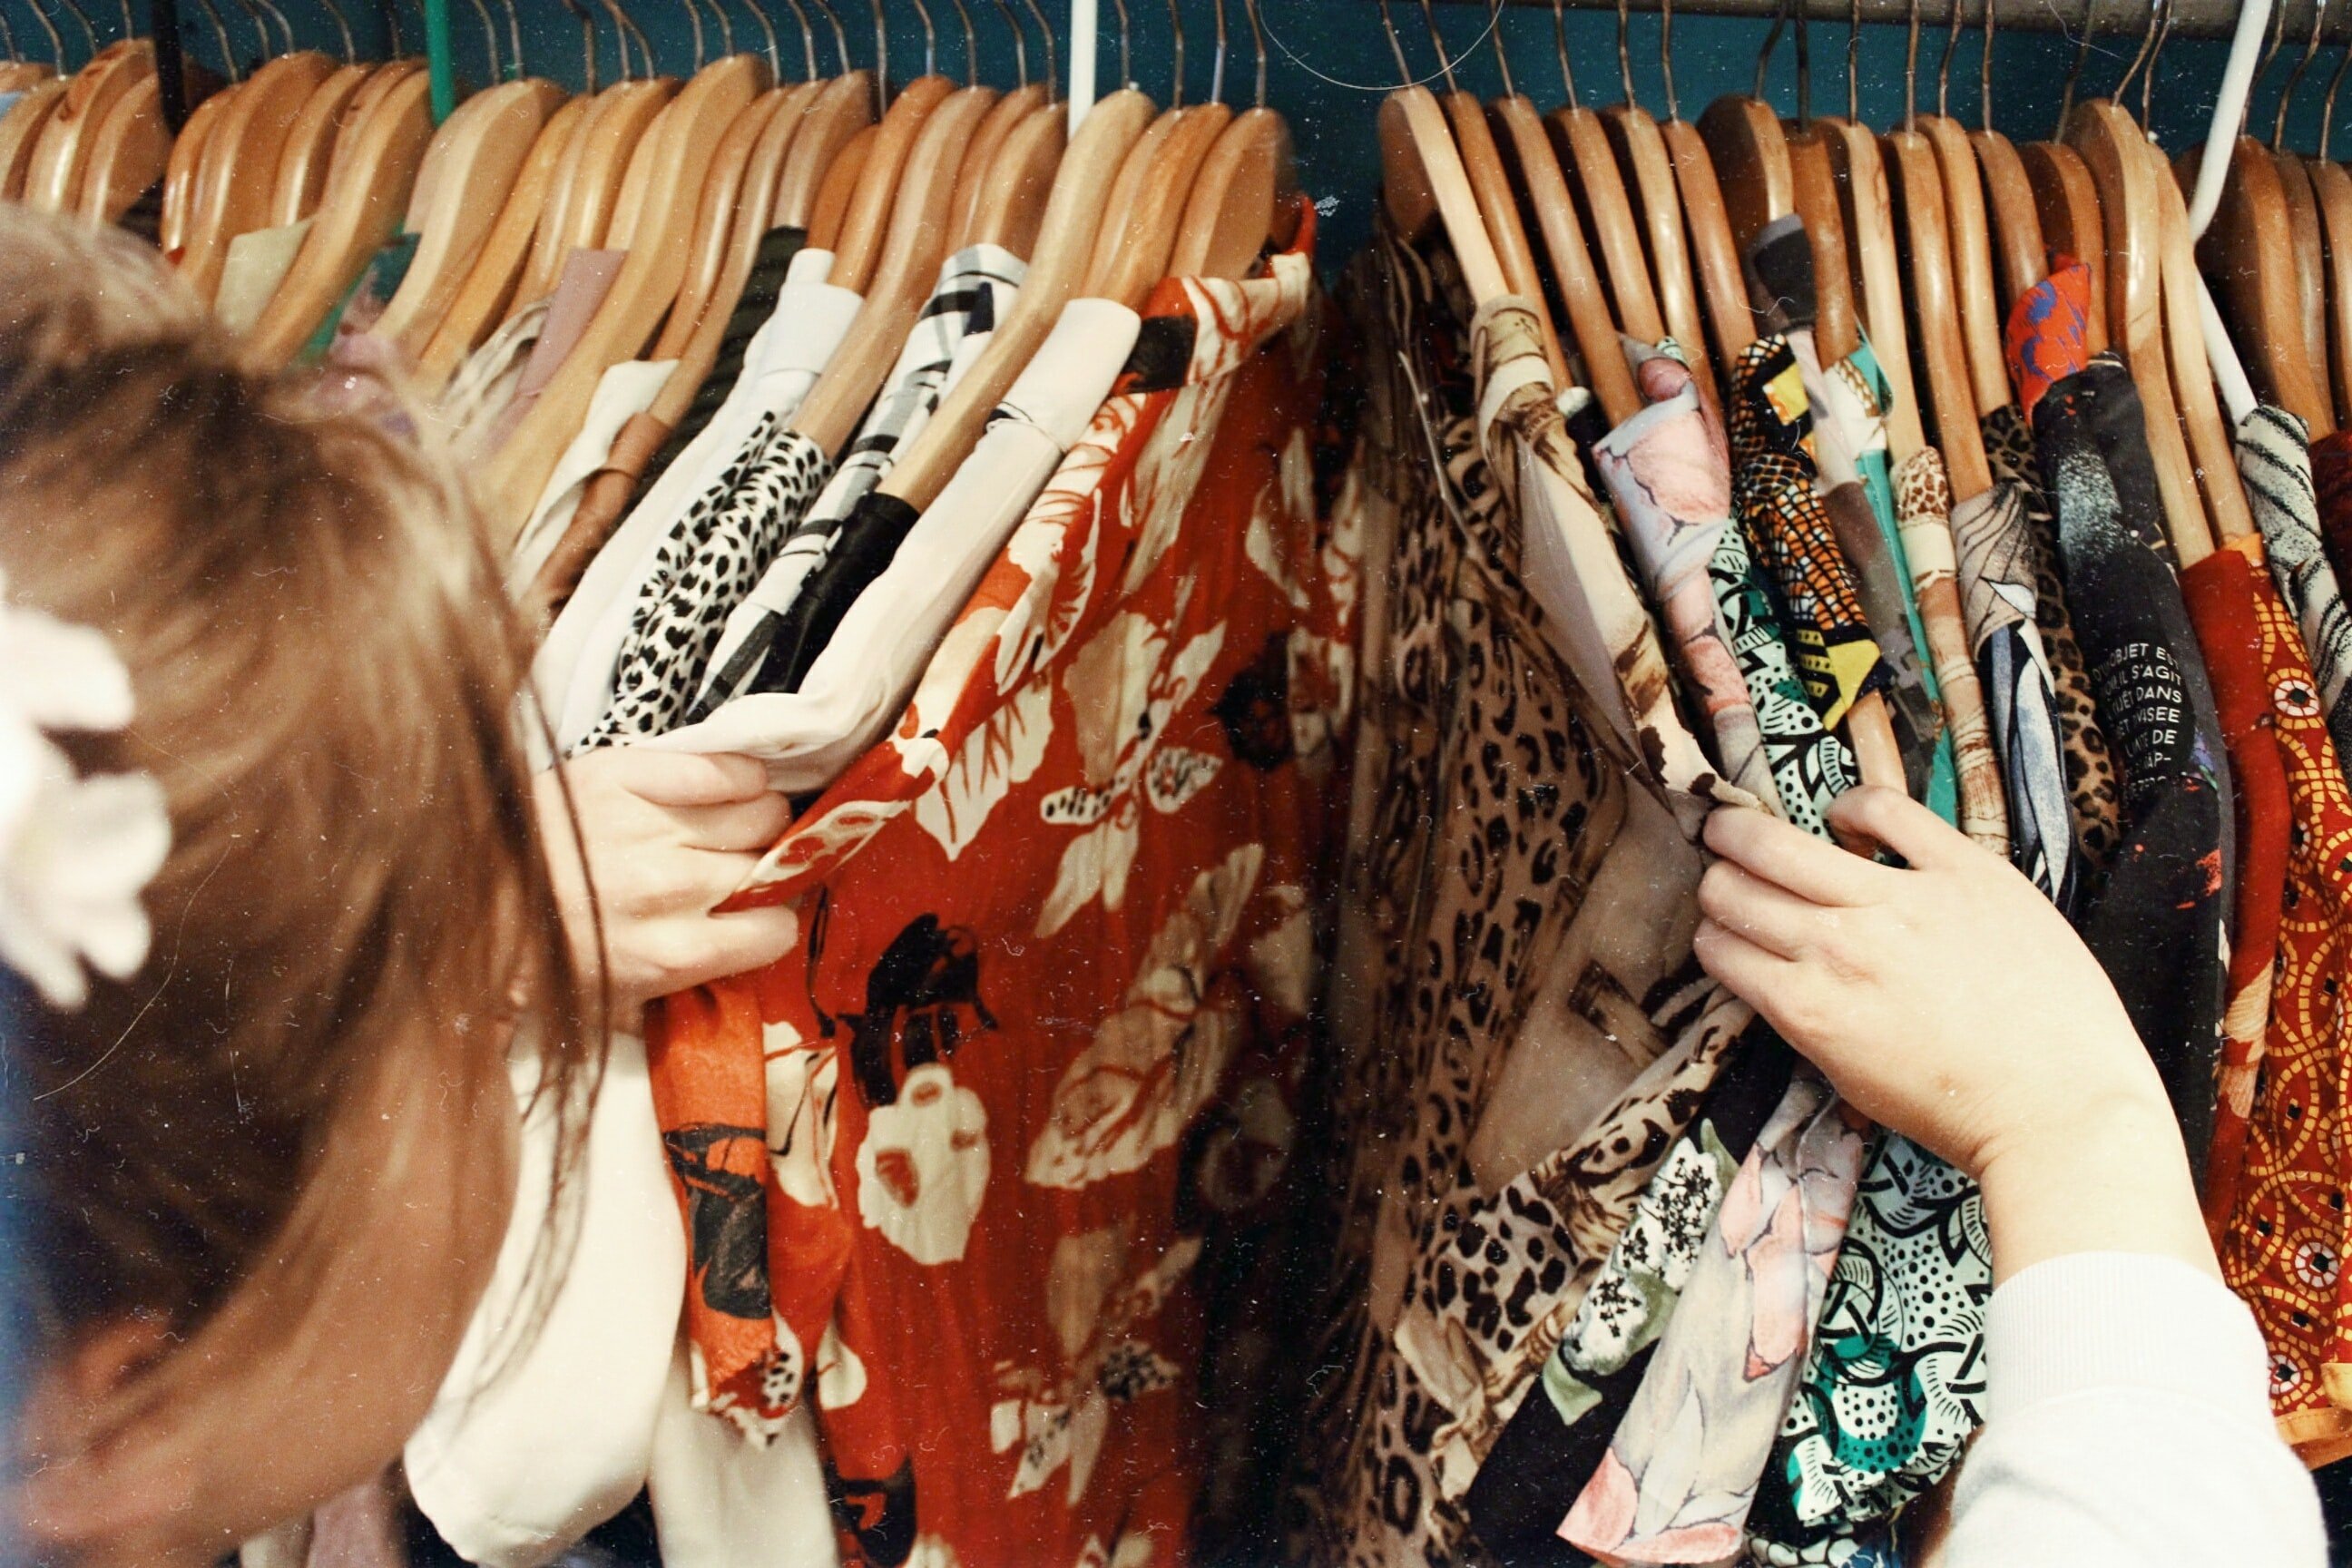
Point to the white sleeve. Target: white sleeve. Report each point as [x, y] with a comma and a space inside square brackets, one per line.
[2128, 1426]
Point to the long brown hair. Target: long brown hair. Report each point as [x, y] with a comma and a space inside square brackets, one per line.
[325, 675]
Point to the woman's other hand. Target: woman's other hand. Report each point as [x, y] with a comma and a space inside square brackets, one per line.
[668, 836]
[1950, 1001]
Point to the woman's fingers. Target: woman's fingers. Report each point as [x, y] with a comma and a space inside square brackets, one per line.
[1750, 971]
[747, 940]
[752, 826]
[1888, 819]
[1763, 912]
[685, 778]
[1785, 854]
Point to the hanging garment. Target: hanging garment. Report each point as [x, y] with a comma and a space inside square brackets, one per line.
[2283, 1249]
[603, 496]
[2156, 925]
[623, 392]
[1924, 502]
[1682, 1469]
[257, 263]
[976, 288]
[1047, 925]
[578, 665]
[580, 290]
[2048, 335]
[890, 624]
[1477, 1178]
[1995, 554]
[2224, 606]
[1669, 473]
[774, 261]
[1561, 1435]
[2274, 461]
[1790, 532]
[2331, 473]
[2093, 794]
[469, 406]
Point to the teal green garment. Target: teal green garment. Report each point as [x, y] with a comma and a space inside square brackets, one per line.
[1943, 795]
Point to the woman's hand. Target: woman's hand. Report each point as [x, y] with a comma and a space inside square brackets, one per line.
[668, 836]
[1950, 1001]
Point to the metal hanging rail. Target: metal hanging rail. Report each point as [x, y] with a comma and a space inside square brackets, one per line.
[2116, 21]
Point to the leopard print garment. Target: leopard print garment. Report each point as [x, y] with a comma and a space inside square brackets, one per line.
[1491, 794]
[2093, 791]
[707, 565]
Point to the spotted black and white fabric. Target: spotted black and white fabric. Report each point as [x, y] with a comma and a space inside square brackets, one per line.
[976, 288]
[705, 569]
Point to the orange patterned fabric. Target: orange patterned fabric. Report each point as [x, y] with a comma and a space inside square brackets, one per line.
[949, 1164]
[2285, 1242]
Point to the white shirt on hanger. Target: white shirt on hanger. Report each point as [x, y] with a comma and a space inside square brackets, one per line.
[573, 674]
[860, 682]
[623, 392]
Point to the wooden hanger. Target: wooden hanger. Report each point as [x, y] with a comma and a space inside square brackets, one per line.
[309, 144]
[637, 182]
[1924, 224]
[841, 109]
[1119, 235]
[640, 296]
[364, 201]
[490, 282]
[1057, 267]
[986, 142]
[470, 170]
[723, 190]
[1590, 166]
[1750, 153]
[2247, 255]
[2211, 449]
[840, 188]
[1422, 181]
[588, 182]
[240, 162]
[1244, 200]
[2066, 203]
[2107, 140]
[902, 279]
[1813, 184]
[1013, 203]
[1606, 371]
[53, 180]
[1716, 253]
[2016, 225]
[866, 226]
[2332, 185]
[1490, 186]
[180, 172]
[1970, 236]
[1866, 204]
[2310, 261]
[20, 131]
[1640, 148]
[132, 150]
[16, 76]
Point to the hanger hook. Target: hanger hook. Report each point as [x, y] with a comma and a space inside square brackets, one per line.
[1853, 63]
[725, 27]
[1771, 42]
[212, 15]
[89, 34]
[2327, 104]
[2074, 75]
[2294, 77]
[1911, 68]
[701, 44]
[1559, 37]
[1217, 71]
[1666, 58]
[587, 44]
[881, 60]
[2140, 57]
[2270, 53]
[8, 36]
[1624, 49]
[808, 40]
[768, 37]
[252, 15]
[1020, 43]
[2169, 10]
[625, 31]
[972, 41]
[1502, 56]
[1126, 56]
[931, 38]
[1944, 62]
[489, 34]
[1438, 41]
[1804, 65]
[1984, 72]
[840, 36]
[1053, 63]
[1257, 43]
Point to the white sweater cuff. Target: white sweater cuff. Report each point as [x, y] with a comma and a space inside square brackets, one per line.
[2121, 1320]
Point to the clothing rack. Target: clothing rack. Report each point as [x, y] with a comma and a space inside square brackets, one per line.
[2114, 19]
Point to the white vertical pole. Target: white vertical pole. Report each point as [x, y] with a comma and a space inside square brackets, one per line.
[1082, 60]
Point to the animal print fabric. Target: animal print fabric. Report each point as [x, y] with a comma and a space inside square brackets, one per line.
[1501, 833]
[1924, 502]
[1790, 533]
[2275, 462]
[976, 286]
[707, 566]
[948, 1166]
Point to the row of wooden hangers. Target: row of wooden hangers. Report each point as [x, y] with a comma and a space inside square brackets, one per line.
[686, 177]
[1924, 236]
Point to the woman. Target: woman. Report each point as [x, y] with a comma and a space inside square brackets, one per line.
[268, 1155]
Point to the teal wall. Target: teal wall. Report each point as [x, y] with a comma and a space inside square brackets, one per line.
[1329, 62]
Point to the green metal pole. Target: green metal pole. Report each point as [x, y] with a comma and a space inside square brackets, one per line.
[436, 55]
